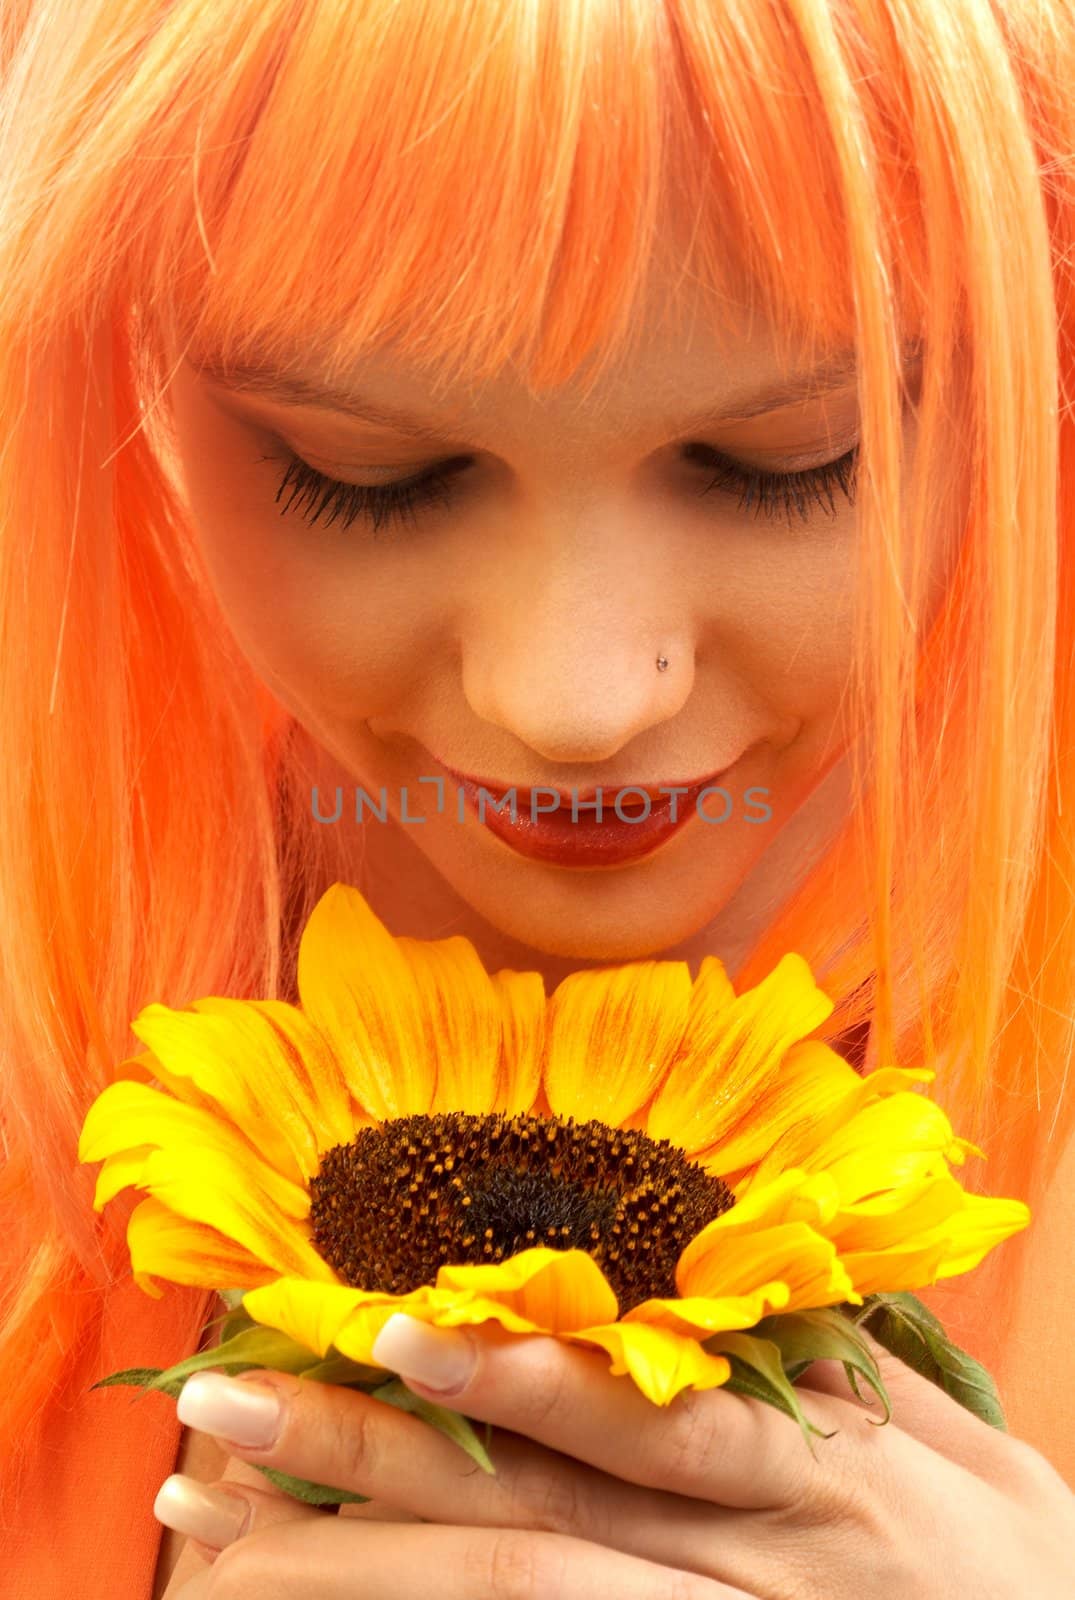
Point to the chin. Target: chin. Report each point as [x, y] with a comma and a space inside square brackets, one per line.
[632, 914]
[591, 932]
[624, 944]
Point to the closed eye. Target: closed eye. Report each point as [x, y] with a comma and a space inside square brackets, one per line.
[763, 493]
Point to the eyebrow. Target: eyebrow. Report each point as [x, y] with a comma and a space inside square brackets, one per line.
[293, 389]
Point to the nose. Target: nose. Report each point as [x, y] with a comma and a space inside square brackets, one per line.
[567, 660]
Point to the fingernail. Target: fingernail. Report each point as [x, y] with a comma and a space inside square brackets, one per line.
[439, 1358]
[202, 1513]
[246, 1414]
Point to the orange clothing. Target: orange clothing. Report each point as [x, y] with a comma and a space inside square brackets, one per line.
[85, 1523]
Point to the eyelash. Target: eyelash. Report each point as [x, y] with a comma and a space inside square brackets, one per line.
[382, 504]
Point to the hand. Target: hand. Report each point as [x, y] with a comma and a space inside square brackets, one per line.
[599, 1492]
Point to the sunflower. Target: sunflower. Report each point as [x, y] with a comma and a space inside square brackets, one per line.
[636, 1163]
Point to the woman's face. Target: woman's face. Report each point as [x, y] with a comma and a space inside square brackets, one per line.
[510, 628]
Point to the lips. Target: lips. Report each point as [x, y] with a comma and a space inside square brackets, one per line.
[632, 792]
[633, 820]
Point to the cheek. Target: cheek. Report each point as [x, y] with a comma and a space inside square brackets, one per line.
[339, 638]
[785, 618]
[323, 614]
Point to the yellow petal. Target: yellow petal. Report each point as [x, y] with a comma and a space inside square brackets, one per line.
[129, 1116]
[357, 1336]
[611, 1034]
[791, 1252]
[553, 1290]
[699, 1316]
[445, 1308]
[322, 1316]
[126, 1114]
[877, 1170]
[320, 1087]
[391, 1008]
[956, 1244]
[896, 1217]
[777, 1231]
[811, 1081]
[984, 1221]
[901, 1138]
[143, 1067]
[163, 1245]
[523, 1298]
[662, 1363]
[734, 1047]
[889, 1271]
[521, 996]
[237, 1059]
[462, 1007]
[823, 1135]
[913, 1119]
[792, 1196]
[310, 1313]
[120, 1171]
[208, 1187]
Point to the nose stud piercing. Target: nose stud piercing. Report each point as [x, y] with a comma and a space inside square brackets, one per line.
[662, 663]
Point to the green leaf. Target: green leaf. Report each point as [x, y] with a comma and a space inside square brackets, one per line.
[824, 1335]
[457, 1427]
[229, 1324]
[337, 1368]
[253, 1346]
[757, 1371]
[314, 1494]
[235, 1322]
[139, 1378]
[903, 1325]
[232, 1298]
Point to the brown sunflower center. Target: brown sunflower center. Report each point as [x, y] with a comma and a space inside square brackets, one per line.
[403, 1198]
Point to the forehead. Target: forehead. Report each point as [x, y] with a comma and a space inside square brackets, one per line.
[685, 362]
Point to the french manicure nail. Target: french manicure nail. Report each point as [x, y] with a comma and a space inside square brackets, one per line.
[439, 1358]
[192, 1508]
[246, 1414]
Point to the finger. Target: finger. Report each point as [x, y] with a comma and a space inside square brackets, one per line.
[241, 1472]
[336, 1561]
[348, 1439]
[921, 1409]
[197, 1553]
[196, 1588]
[212, 1516]
[377, 1511]
[711, 1445]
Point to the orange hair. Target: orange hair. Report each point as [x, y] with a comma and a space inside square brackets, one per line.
[277, 177]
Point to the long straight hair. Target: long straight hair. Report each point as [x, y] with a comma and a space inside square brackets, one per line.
[284, 179]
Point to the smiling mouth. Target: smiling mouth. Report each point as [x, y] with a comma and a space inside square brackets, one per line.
[630, 797]
[583, 829]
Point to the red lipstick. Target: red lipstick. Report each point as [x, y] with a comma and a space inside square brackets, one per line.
[583, 827]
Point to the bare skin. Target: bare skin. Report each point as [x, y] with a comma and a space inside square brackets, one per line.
[513, 633]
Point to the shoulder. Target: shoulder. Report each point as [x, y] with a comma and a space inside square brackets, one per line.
[1039, 1398]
